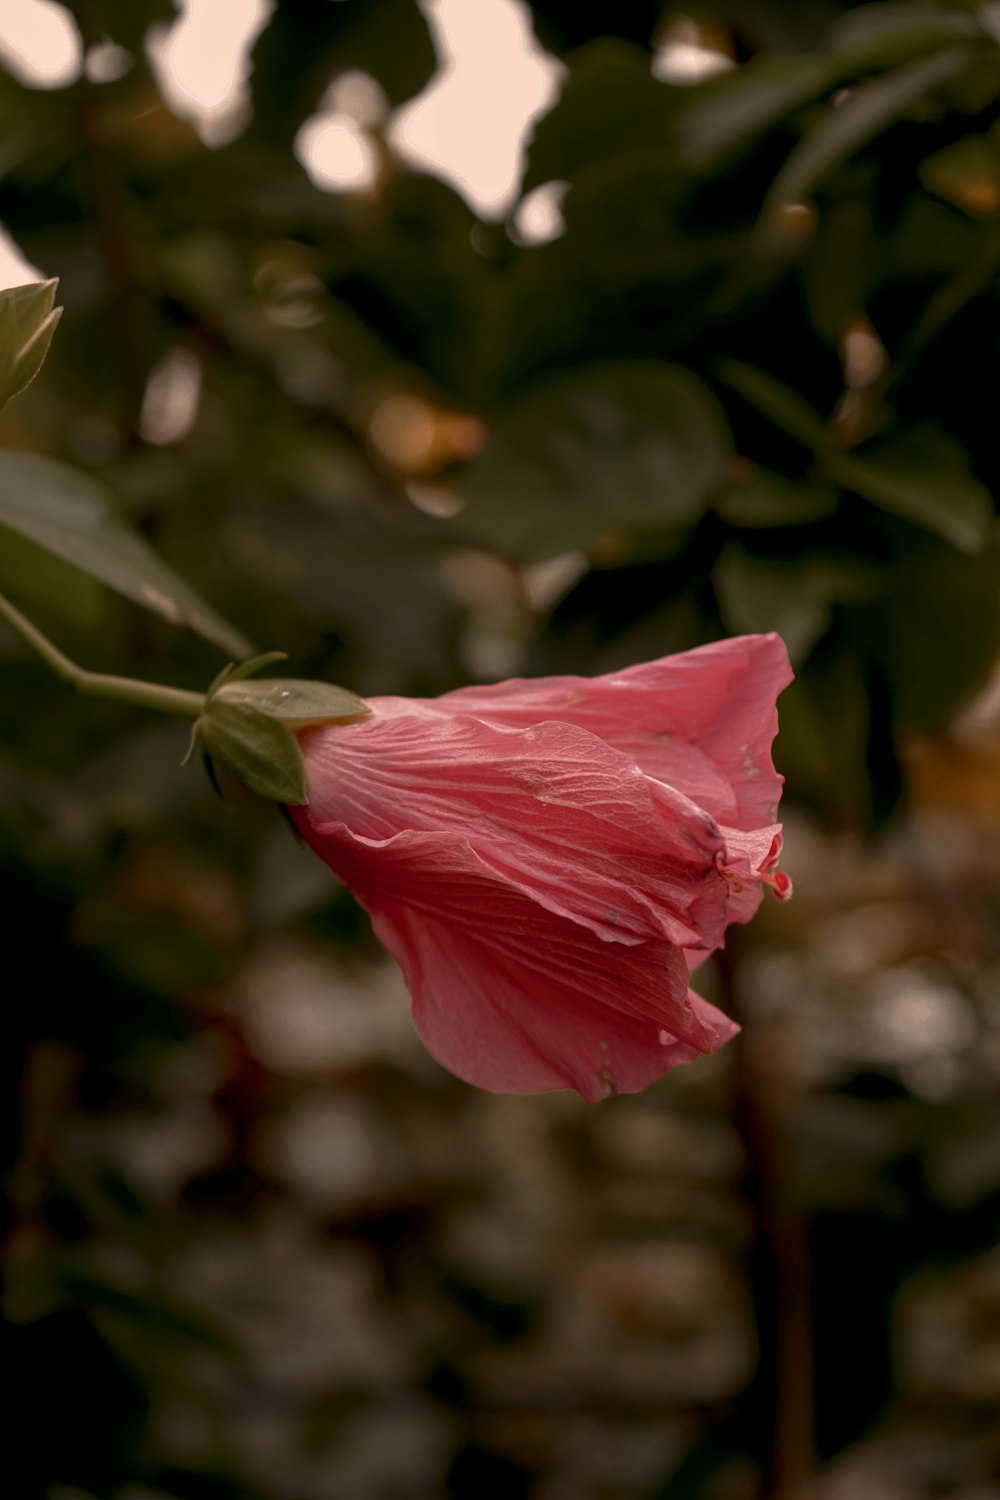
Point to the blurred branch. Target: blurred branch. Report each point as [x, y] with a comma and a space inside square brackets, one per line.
[782, 1397]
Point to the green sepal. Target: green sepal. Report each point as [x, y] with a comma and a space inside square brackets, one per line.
[27, 323]
[233, 673]
[249, 727]
[192, 743]
[219, 679]
[297, 704]
[212, 774]
[255, 664]
[256, 748]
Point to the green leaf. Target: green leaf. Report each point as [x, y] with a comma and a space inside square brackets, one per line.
[794, 596]
[825, 729]
[785, 408]
[258, 750]
[937, 629]
[27, 323]
[296, 703]
[967, 174]
[923, 477]
[627, 279]
[842, 265]
[609, 448]
[846, 127]
[728, 113]
[305, 45]
[32, 574]
[762, 498]
[71, 515]
[340, 570]
[609, 104]
[885, 34]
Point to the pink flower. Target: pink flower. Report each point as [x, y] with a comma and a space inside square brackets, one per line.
[549, 859]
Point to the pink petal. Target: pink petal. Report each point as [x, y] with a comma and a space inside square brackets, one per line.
[511, 995]
[550, 809]
[702, 721]
[547, 859]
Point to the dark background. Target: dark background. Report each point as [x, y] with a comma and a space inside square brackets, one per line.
[256, 1243]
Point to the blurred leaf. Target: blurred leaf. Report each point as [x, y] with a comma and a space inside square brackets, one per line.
[258, 750]
[841, 265]
[794, 596]
[610, 103]
[561, 24]
[848, 126]
[931, 241]
[785, 407]
[924, 477]
[27, 323]
[332, 567]
[411, 272]
[967, 174]
[306, 45]
[825, 727]
[296, 703]
[627, 279]
[70, 514]
[608, 448]
[42, 579]
[728, 113]
[937, 631]
[761, 498]
[974, 265]
[974, 92]
[884, 34]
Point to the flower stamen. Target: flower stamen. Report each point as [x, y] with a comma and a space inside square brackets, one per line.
[780, 883]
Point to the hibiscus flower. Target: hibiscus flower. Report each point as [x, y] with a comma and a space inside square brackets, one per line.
[548, 859]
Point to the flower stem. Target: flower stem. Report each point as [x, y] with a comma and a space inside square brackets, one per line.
[166, 700]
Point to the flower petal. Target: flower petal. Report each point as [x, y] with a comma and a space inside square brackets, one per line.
[510, 995]
[552, 809]
[702, 721]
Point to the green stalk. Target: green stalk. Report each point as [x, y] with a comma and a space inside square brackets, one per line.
[166, 700]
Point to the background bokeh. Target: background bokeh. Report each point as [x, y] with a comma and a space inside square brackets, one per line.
[723, 358]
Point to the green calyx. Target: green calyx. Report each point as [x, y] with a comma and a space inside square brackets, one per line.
[248, 728]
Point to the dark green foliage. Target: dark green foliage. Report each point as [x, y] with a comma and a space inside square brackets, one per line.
[307, 44]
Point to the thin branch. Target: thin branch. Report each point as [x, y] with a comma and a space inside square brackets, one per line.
[167, 700]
